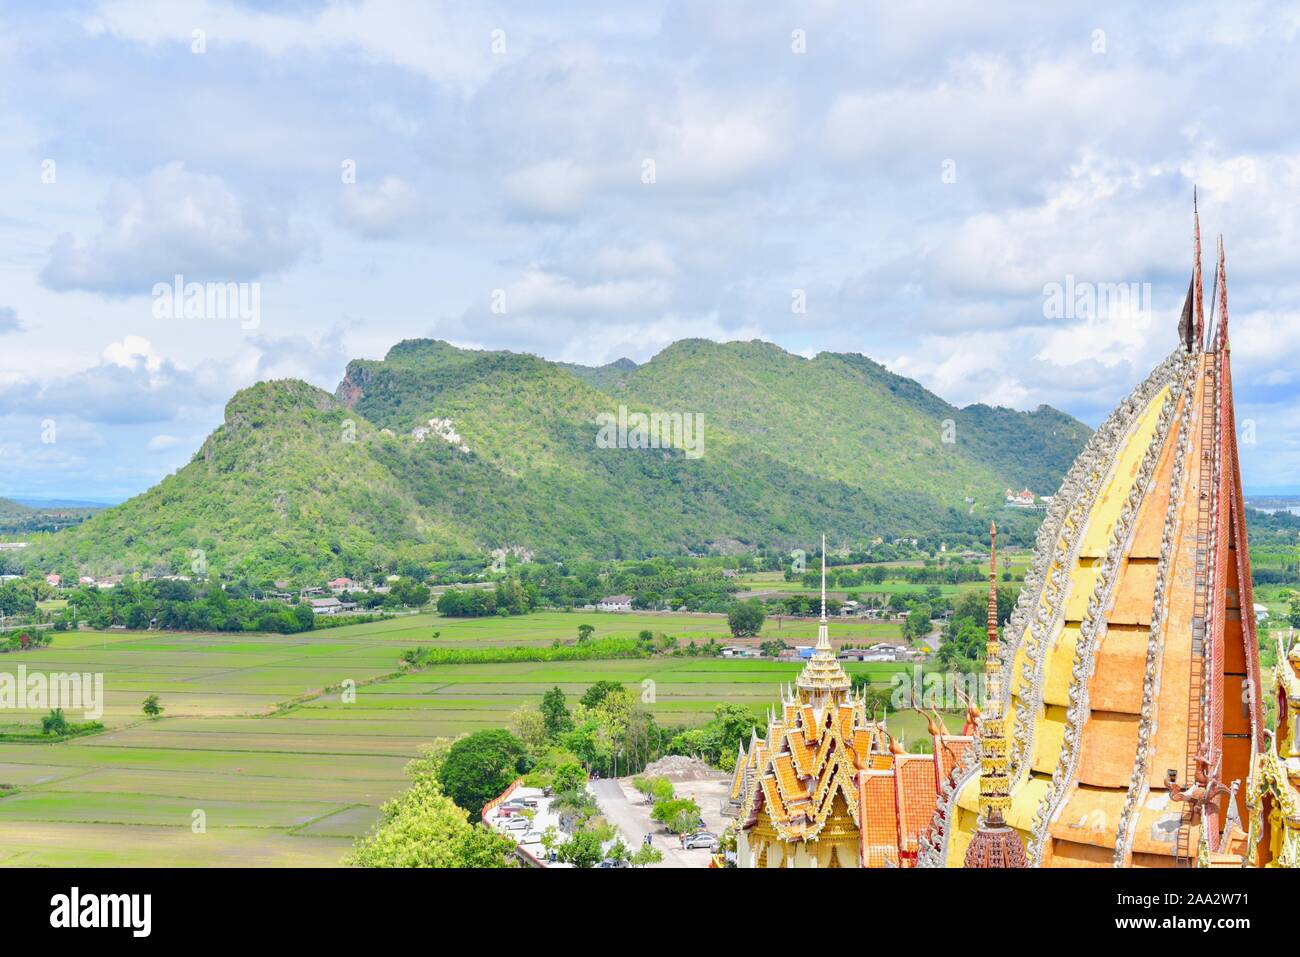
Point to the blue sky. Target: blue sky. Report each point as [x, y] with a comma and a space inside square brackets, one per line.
[915, 177]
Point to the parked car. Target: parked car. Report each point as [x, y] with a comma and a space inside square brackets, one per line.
[702, 839]
[518, 824]
[532, 837]
[609, 863]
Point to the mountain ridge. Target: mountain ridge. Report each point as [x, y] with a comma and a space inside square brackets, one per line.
[436, 451]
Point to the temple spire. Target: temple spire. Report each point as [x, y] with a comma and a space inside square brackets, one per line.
[823, 578]
[823, 673]
[823, 632]
[1221, 333]
[1197, 281]
[994, 843]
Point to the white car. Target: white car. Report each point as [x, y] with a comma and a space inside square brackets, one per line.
[532, 837]
[702, 839]
[518, 824]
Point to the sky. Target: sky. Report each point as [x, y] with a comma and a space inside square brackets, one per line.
[911, 182]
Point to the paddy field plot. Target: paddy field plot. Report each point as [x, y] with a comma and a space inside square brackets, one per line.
[281, 772]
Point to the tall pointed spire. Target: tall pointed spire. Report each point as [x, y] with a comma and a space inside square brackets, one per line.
[823, 578]
[1221, 333]
[1197, 281]
[823, 672]
[994, 843]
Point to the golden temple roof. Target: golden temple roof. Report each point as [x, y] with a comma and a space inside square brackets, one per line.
[1128, 648]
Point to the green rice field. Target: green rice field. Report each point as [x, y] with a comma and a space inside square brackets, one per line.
[281, 772]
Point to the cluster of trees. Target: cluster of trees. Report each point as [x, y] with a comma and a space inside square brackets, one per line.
[197, 606]
[425, 827]
[718, 739]
[609, 731]
[22, 639]
[509, 597]
[19, 598]
[182, 606]
[677, 815]
[965, 635]
[657, 583]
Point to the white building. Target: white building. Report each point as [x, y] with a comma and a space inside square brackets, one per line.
[615, 603]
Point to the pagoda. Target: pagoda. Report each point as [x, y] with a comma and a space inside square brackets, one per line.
[1129, 669]
[1273, 796]
[995, 845]
[828, 785]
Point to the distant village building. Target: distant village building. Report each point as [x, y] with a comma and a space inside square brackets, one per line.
[326, 606]
[615, 603]
[339, 585]
[53, 580]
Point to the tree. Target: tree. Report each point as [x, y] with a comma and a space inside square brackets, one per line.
[54, 722]
[422, 827]
[151, 707]
[584, 633]
[555, 713]
[529, 726]
[480, 766]
[918, 622]
[569, 777]
[601, 690]
[746, 619]
[679, 816]
[647, 854]
[618, 852]
[581, 850]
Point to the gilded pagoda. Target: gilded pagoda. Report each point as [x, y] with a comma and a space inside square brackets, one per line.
[1130, 699]
[828, 786]
[1274, 794]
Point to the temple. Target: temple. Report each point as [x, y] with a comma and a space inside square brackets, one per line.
[1130, 698]
[1274, 794]
[828, 786]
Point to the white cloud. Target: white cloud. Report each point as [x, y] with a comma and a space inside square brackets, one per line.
[174, 222]
[163, 442]
[449, 43]
[8, 320]
[381, 211]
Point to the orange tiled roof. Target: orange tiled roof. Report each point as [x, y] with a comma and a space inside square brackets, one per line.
[862, 746]
[879, 819]
[811, 729]
[775, 806]
[917, 796]
[802, 753]
[846, 721]
[792, 789]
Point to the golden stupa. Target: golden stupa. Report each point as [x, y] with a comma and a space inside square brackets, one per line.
[1130, 692]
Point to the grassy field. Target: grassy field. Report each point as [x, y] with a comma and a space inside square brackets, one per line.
[285, 774]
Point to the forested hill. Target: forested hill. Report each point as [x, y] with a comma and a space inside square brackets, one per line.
[438, 451]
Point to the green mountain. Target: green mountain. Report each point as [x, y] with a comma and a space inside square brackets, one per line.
[439, 452]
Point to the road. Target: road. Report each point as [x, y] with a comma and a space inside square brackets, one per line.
[624, 808]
